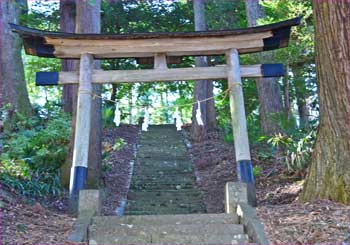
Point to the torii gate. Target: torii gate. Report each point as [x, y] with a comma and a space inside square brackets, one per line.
[161, 46]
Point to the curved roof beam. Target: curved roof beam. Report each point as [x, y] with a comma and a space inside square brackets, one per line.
[136, 45]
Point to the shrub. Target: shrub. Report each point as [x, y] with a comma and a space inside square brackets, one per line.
[33, 153]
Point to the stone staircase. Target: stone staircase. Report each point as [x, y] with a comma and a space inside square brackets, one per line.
[167, 229]
[164, 206]
[163, 180]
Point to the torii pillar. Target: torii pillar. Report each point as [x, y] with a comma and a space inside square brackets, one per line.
[239, 125]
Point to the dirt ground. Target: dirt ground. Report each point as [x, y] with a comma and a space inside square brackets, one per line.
[286, 219]
[24, 221]
[117, 164]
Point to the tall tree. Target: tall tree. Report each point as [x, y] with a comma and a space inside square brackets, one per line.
[88, 20]
[69, 93]
[301, 94]
[13, 88]
[269, 92]
[329, 173]
[67, 24]
[203, 89]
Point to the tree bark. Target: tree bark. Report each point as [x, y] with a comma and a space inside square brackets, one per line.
[88, 20]
[287, 106]
[13, 88]
[301, 96]
[329, 174]
[69, 93]
[269, 92]
[199, 132]
[67, 24]
[203, 88]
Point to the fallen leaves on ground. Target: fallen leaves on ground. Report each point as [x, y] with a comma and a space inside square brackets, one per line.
[286, 220]
[22, 223]
[117, 164]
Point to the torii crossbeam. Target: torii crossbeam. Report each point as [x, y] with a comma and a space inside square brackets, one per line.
[162, 47]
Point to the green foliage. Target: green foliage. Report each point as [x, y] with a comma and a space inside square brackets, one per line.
[257, 171]
[107, 117]
[297, 147]
[33, 153]
[119, 144]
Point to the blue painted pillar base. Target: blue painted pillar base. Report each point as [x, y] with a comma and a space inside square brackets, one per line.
[245, 175]
[78, 180]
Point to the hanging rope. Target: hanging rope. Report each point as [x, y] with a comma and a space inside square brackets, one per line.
[225, 93]
[199, 115]
[178, 119]
[145, 120]
[117, 115]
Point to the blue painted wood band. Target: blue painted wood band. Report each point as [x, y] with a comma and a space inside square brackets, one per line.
[245, 171]
[272, 70]
[79, 178]
[46, 78]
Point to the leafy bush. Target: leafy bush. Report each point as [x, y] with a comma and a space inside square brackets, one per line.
[107, 117]
[298, 148]
[33, 153]
[257, 170]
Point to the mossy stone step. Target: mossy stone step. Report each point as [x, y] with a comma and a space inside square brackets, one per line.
[163, 202]
[171, 209]
[163, 212]
[162, 171]
[184, 178]
[181, 164]
[200, 239]
[199, 219]
[180, 229]
[160, 186]
[163, 155]
[170, 194]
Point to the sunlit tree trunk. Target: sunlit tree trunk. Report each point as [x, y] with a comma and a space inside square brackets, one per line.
[13, 88]
[88, 20]
[301, 95]
[69, 93]
[203, 89]
[287, 106]
[199, 132]
[269, 92]
[67, 24]
[329, 174]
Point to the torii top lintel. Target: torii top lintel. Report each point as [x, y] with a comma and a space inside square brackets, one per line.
[72, 45]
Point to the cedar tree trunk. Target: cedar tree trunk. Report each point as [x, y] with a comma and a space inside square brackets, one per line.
[203, 88]
[13, 88]
[269, 92]
[67, 24]
[88, 20]
[329, 174]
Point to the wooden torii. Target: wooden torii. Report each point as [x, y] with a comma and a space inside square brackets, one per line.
[162, 47]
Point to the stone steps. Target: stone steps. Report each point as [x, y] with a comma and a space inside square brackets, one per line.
[163, 181]
[199, 219]
[159, 230]
[163, 204]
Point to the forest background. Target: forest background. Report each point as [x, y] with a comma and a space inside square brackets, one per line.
[39, 144]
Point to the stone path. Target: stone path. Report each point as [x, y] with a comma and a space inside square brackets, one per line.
[163, 180]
